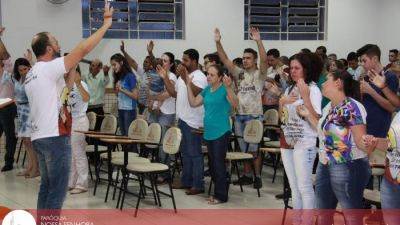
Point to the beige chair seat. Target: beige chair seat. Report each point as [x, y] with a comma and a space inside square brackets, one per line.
[146, 167]
[266, 139]
[118, 155]
[238, 156]
[90, 148]
[372, 195]
[131, 159]
[274, 144]
[271, 150]
[377, 171]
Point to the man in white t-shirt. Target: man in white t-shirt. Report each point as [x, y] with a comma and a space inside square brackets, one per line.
[47, 90]
[250, 81]
[189, 118]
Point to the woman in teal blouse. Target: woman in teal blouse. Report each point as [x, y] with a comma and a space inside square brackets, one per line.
[218, 99]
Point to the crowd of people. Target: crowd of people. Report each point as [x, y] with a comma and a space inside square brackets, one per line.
[339, 110]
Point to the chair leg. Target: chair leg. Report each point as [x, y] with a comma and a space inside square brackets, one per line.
[19, 150]
[153, 188]
[157, 192]
[172, 193]
[116, 183]
[255, 175]
[23, 160]
[90, 168]
[110, 181]
[276, 164]
[125, 188]
[97, 165]
[138, 199]
[209, 187]
[121, 188]
[238, 175]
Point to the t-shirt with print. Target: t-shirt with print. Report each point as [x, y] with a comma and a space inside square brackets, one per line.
[46, 91]
[128, 83]
[143, 85]
[168, 106]
[192, 116]
[378, 118]
[297, 131]
[336, 140]
[216, 112]
[392, 169]
[250, 89]
[75, 100]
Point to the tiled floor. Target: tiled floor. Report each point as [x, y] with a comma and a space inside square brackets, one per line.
[20, 193]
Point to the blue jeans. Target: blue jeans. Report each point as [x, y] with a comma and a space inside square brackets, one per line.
[54, 156]
[125, 118]
[343, 183]
[390, 197]
[216, 154]
[192, 158]
[240, 123]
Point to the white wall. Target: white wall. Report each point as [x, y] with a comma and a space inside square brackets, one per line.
[351, 23]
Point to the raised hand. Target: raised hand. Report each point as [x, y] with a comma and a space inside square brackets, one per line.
[377, 79]
[289, 99]
[217, 35]
[108, 12]
[77, 78]
[28, 55]
[304, 90]
[227, 81]
[122, 46]
[182, 72]
[369, 143]
[254, 34]
[150, 47]
[162, 72]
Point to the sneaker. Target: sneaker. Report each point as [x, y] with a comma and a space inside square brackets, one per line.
[243, 180]
[257, 183]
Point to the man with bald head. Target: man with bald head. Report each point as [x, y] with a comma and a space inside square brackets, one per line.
[47, 85]
[97, 80]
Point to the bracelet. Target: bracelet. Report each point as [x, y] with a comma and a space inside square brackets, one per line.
[384, 86]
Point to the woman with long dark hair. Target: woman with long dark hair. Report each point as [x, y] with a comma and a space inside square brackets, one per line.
[21, 68]
[343, 170]
[125, 86]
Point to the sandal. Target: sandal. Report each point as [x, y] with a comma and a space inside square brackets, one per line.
[22, 173]
[214, 201]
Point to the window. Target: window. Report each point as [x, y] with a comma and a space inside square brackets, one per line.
[286, 19]
[136, 19]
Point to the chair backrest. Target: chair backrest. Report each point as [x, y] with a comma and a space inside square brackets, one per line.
[172, 140]
[153, 135]
[138, 129]
[109, 124]
[271, 117]
[253, 132]
[92, 117]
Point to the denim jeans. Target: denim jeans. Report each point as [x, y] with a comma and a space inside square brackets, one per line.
[298, 165]
[125, 118]
[390, 198]
[54, 156]
[192, 158]
[240, 123]
[7, 125]
[216, 154]
[342, 183]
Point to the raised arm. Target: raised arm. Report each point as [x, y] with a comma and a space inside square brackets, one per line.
[231, 97]
[380, 81]
[169, 85]
[383, 102]
[194, 101]
[132, 63]
[83, 48]
[85, 95]
[3, 51]
[255, 36]
[221, 52]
